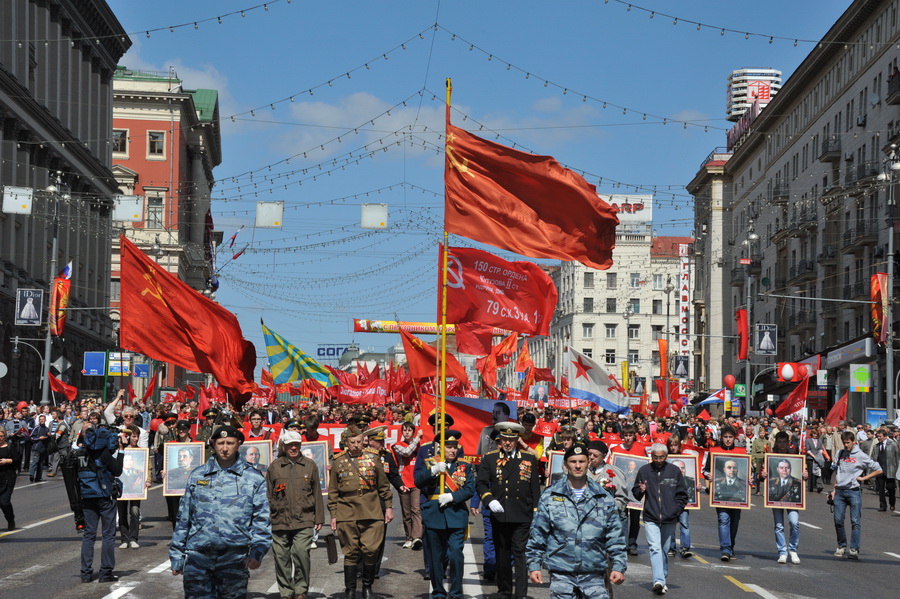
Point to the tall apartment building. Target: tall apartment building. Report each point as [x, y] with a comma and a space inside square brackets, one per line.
[620, 314]
[805, 180]
[57, 61]
[166, 140]
[748, 86]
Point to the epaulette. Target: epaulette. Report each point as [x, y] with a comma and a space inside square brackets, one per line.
[339, 454]
[370, 450]
[491, 452]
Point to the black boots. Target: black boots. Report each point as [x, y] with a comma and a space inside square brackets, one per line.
[369, 572]
[350, 573]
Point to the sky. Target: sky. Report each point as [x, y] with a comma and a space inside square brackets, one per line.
[330, 105]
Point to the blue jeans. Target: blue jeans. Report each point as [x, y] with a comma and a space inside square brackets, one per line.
[661, 538]
[729, 519]
[684, 520]
[98, 512]
[843, 498]
[794, 523]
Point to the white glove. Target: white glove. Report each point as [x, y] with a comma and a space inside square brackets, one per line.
[439, 468]
[445, 498]
[495, 507]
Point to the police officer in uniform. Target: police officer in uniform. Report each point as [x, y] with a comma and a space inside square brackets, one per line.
[509, 484]
[376, 437]
[360, 501]
[223, 528]
[444, 512]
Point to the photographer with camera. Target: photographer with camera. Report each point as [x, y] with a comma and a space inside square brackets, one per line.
[99, 463]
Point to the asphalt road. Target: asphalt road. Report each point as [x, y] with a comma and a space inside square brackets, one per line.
[41, 559]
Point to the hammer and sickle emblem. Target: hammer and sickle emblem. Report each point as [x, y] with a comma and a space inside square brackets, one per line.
[156, 291]
[454, 273]
[461, 165]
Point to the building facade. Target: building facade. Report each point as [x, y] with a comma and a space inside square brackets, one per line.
[747, 86]
[619, 314]
[57, 61]
[166, 140]
[797, 219]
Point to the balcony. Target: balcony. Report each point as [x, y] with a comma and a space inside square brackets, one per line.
[857, 238]
[867, 170]
[849, 175]
[828, 256]
[738, 276]
[858, 290]
[805, 219]
[780, 192]
[803, 270]
[831, 149]
[893, 95]
[801, 320]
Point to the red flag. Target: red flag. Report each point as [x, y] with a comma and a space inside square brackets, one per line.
[423, 359]
[879, 305]
[667, 391]
[189, 392]
[743, 328]
[131, 394]
[164, 319]
[794, 401]
[59, 301]
[374, 392]
[60, 387]
[202, 404]
[543, 374]
[523, 361]
[524, 203]
[265, 378]
[470, 417]
[505, 348]
[474, 338]
[151, 386]
[663, 358]
[838, 412]
[498, 357]
[484, 288]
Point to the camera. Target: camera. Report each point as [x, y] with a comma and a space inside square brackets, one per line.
[829, 499]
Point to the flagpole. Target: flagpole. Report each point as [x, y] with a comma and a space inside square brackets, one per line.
[444, 261]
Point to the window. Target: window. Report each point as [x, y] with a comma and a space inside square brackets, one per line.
[610, 356]
[120, 141]
[156, 144]
[634, 356]
[588, 304]
[635, 304]
[657, 332]
[587, 352]
[611, 331]
[610, 280]
[610, 305]
[588, 280]
[657, 306]
[635, 280]
[154, 212]
[587, 330]
[658, 282]
[654, 357]
[634, 331]
[114, 290]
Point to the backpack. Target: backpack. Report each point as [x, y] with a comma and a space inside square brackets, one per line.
[95, 481]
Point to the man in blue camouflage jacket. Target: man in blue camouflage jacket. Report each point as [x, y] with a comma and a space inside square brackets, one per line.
[223, 528]
[575, 529]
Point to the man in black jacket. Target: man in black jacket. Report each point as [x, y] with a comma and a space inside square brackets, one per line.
[509, 484]
[97, 469]
[661, 485]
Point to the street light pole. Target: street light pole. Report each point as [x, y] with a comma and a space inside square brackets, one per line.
[48, 341]
[888, 323]
[751, 237]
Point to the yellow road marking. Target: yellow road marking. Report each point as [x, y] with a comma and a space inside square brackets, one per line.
[739, 584]
[700, 559]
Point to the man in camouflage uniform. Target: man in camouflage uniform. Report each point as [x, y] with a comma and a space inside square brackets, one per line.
[575, 531]
[357, 490]
[223, 528]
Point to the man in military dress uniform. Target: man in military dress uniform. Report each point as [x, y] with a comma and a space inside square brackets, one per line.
[428, 450]
[508, 483]
[376, 437]
[357, 490]
[212, 416]
[444, 513]
[223, 528]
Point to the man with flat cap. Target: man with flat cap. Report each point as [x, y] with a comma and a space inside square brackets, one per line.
[508, 483]
[223, 528]
[429, 450]
[447, 485]
[211, 421]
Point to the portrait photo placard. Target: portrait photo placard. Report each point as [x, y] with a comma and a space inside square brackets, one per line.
[134, 475]
[784, 481]
[258, 454]
[179, 460]
[690, 468]
[731, 483]
[630, 464]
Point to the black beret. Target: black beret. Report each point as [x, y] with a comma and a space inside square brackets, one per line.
[225, 432]
[576, 449]
[599, 446]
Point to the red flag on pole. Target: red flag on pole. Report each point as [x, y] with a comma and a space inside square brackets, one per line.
[524, 203]
[879, 297]
[838, 412]
[151, 386]
[523, 362]
[794, 401]
[474, 338]
[743, 333]
[60, 387]
[164, 319]
[423, 359]
[59, 302]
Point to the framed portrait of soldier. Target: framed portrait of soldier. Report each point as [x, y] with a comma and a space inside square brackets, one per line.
[258, 454]
[784, 481]
[731, 483]
[320, 453]
[134, 473]
[630, 464]
[179, 460]
[555, 470]
[690, 468]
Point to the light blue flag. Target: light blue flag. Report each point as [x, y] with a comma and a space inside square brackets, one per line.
[288, 363]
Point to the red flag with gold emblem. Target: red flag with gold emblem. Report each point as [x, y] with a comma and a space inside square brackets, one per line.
[423, 362]
[524, 203]
[59, 301]
[164, 319]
